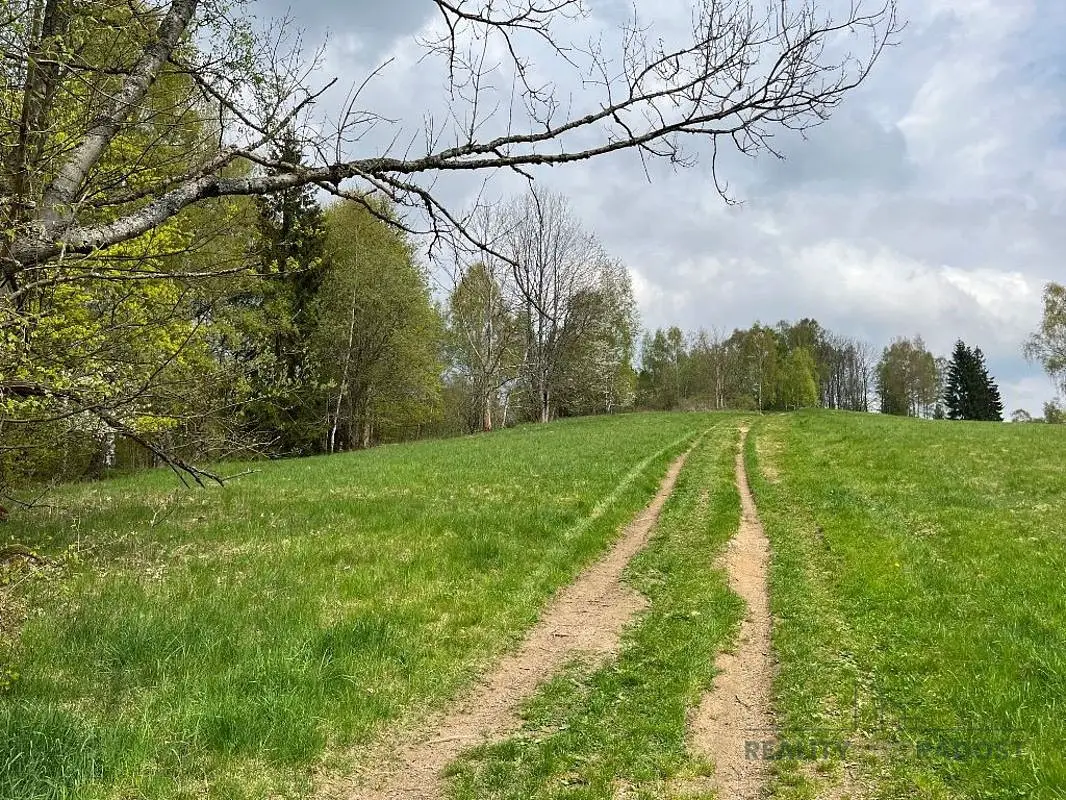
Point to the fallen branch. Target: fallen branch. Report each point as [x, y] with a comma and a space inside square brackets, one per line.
[11, 552]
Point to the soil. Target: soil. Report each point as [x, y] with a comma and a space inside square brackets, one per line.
[735, 719]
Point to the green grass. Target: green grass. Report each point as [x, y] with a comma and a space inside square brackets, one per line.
[232, 643]
[226, 643]
[619, 729]
[919, 590]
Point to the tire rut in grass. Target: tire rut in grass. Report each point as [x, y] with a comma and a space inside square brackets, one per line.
[586, 617]
[734, 719]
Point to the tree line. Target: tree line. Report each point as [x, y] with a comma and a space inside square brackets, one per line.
[165, 287]
[787, 366]
[328, 337]
[173, 290]
[802, 364]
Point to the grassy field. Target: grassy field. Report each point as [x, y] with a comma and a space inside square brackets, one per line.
[919, 591]
[233, 643]
[224, 643]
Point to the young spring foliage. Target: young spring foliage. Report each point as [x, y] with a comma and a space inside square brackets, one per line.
[1048, 344]
[377, 335]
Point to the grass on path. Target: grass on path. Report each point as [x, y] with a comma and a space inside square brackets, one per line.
[618, 729]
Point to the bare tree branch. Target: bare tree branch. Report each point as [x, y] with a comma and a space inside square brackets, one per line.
[739, 78]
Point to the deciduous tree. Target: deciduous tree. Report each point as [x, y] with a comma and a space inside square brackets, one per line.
[907, 379]
[598, 375]
[798, 385]
[484, 336]
[1048, 344]
[1054, 413]
[376, 344]
[664, 359]
[555, 263]
[100, 161]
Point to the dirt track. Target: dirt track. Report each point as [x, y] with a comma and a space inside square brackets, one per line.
[735, 718]
[586, 617]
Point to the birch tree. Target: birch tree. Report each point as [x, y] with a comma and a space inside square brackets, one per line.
[1047, 346]
[485, 337]
[554, 263]
[376, 343]
[597, 375]
[907, 378]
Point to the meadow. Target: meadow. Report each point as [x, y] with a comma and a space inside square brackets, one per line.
[919, 594]
[229, 642]
[242, 642]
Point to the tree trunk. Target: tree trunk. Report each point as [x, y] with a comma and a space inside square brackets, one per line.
[486, 419]
[543, 397]
[109, 449]
[344, 383]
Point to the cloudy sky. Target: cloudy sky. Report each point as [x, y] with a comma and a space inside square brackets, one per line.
[932, 203]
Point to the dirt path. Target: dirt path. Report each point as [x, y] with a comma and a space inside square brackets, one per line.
[587, 616]
[734, 719]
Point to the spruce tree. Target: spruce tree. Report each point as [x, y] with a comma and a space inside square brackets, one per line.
[974, 394]
[995, 413]
[956, 395]
[291, 247]
[989, 404]
[274, 314]
[970, 392]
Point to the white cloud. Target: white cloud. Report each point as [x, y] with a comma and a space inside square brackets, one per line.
[934, 201]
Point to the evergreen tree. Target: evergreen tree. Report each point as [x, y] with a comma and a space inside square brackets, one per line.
[292, 236]
[273, 314]
[971, 393]
[989, 404]
[956, 395]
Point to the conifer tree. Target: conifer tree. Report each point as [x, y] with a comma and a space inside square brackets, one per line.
[956, 395]
[273, 313]
[971, 393]
[292, 236]
[989, 404]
